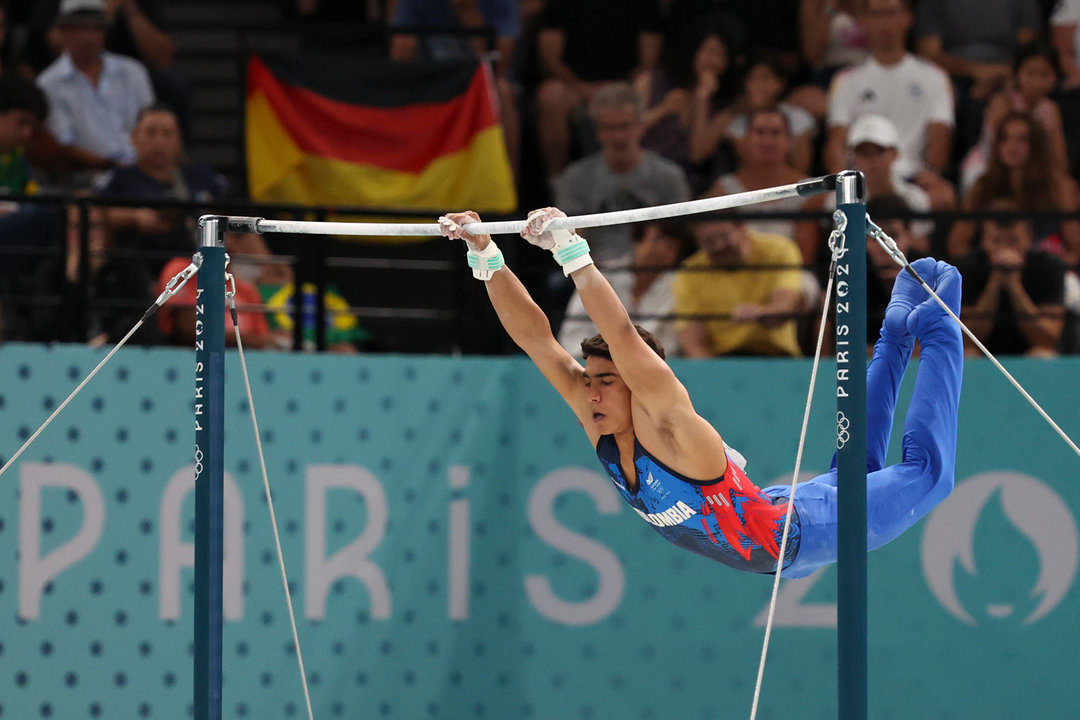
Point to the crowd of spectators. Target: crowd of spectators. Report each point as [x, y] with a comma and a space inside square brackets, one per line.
[948, 106]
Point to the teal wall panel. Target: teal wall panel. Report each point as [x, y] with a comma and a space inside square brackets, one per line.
[455, 551]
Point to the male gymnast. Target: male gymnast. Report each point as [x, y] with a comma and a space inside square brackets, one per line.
[672, 466]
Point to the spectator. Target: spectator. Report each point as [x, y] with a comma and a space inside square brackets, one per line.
[764, 164]
[764, 83]
[176, 319]
[120, 290]
[582, 45]
[874, 146]
[498, 16]
[157, 174]
[1021, 171]
[1013, 294]
[1065, 31]
[22, 110]
[621, 176]
[757, 305]
[253, 262]
[645, 287]
[1036, 76]
[94, 95]
[975, 40]
[134, 31]
[686, 100]
[768, 28]
[913, 93]
[831, 39]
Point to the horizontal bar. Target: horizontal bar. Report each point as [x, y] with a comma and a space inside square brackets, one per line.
[804, 188]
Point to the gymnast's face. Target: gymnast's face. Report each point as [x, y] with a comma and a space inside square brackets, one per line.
[608, 396]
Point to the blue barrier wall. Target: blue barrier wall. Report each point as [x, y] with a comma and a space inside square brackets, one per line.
[456, 552]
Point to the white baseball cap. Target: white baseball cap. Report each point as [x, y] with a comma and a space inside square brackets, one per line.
[875, 129]
[76, 11]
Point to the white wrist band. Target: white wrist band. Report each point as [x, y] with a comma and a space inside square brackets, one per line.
[486, 262]
[571, 251]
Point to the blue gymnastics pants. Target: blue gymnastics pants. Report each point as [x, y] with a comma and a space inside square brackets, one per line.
[899, 495]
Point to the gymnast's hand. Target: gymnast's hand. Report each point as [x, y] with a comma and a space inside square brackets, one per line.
[451, 226]
[535, 230]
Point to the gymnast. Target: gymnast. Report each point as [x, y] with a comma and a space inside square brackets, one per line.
[672, 466]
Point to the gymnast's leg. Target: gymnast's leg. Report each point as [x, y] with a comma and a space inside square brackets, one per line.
[892, 352]
[899, 495]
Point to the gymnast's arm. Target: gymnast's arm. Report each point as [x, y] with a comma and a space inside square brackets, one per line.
[651, 380]
[528, 327]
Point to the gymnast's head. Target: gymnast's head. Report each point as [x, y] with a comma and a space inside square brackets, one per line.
[609, 397]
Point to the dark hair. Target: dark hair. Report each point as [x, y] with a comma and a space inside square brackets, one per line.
[1037, 48]
[18, 93]
[909, 5]
[889, 207]
[596, 346]
[772, 62]
[157, 107]
[771, 110]
[1006, 205]
[1038, 190]
[681, 232]
[678, 62]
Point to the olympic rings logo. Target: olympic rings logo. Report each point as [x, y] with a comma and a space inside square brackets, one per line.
[842, 426]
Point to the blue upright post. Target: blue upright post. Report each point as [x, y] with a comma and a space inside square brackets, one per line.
[209, 466]
[851, 450]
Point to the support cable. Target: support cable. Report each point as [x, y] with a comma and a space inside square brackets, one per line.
[883, 239]
[231, 299]
[836, 245]
[174, 285]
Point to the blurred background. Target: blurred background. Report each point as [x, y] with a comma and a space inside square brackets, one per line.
[452, 548]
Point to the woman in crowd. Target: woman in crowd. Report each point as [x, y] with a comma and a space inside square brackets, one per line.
[1021, 170]
[686, 101]
[763, 86]
[1036, 74]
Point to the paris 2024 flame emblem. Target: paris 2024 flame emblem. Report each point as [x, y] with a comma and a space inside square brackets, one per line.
[1035, 511]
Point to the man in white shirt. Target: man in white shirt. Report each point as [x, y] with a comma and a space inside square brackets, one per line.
[94, 96]
[915, 94]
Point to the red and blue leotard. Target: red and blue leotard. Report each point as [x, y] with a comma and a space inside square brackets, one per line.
[728, 519]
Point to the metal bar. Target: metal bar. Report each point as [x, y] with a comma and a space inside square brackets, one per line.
[320, 290]
[209, 467]
[851, 451]
[800, 189]
[83, 212]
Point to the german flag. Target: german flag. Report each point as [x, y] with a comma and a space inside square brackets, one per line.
[374, 133]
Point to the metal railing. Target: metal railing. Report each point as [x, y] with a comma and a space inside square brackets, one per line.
[414, 296]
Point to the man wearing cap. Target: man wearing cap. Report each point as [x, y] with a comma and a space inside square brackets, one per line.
[874, 146]
[94, 95]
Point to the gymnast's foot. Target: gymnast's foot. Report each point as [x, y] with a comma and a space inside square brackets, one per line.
[912, 311]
